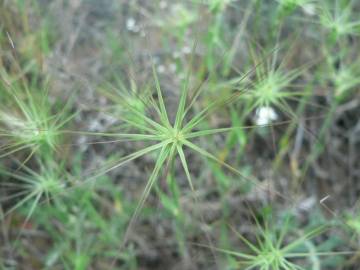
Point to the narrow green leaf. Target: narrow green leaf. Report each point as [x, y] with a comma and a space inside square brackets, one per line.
[180, 114]
[153, 177]
[128, 158]
[163, 115]
[185, 166]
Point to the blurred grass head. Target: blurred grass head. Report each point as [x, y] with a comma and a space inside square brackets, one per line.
[339, 19]
[273, 85]
[29, 121]
[178, 20]
[291, 5]
[277, 249]
[216, 6]
[29, 187]
[344, 75]
[167, 137]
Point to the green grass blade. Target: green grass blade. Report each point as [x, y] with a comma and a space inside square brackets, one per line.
[180, 114]
[185, 166]
[163, 113]
[153, 177]
[129, 158]
[230, 252]
[125, 136]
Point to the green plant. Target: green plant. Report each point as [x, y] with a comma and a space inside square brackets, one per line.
[271, 87]
[342, 75]
[28, 120]
[79, 214]
[178, 21]
[170, 138]
[30, 187]
[345, 77]
[274, 251]
[81, 222]
[290, 5]
[338, 19]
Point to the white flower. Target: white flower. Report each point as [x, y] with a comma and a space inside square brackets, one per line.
[131, 25]
[265, 115]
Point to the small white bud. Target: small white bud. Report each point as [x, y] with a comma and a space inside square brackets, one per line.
[131, 25]
[265, 115]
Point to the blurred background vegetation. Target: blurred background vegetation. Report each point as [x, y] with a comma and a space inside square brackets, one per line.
[281, 187]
